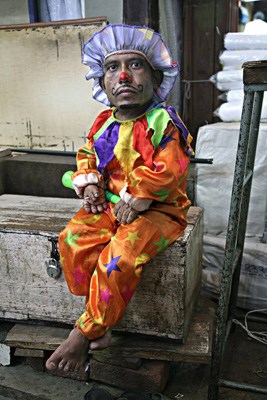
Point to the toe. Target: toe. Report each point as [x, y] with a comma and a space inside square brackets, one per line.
[52, 363]
[62, 364]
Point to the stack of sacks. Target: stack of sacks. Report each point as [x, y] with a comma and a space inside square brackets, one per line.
[213, 193]
[250, 45]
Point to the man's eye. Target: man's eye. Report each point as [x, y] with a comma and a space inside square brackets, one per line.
[136, 64]
[112, 67]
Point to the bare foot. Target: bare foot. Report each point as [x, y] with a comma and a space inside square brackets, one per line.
[102, 342]
[71, 354]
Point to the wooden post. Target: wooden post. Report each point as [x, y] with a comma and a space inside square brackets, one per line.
[142, 12]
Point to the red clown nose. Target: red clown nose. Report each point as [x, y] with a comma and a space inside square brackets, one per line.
[125, 77]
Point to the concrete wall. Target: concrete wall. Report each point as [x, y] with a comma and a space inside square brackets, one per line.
[112, 9]
[45, 100]
[14, 12]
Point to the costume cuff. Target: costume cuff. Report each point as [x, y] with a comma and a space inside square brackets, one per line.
[124, 195]
[83, 180]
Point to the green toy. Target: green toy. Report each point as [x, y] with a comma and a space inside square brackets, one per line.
[67, 182]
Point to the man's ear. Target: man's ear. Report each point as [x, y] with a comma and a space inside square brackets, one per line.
[102, 83]
[157, 79]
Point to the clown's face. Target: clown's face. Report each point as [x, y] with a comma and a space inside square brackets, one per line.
[128, 83]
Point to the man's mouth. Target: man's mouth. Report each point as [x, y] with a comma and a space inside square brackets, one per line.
[126, 89]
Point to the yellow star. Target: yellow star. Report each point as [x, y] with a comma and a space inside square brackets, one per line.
[104, 232]
[133, 182]
[133, 236]
[61, 260]
[91, 220]
[140, 260]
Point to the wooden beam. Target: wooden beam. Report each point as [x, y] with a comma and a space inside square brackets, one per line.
[84, 21]
[142, 12]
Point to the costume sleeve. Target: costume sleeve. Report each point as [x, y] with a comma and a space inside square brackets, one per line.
[166, 180]
[86, 173]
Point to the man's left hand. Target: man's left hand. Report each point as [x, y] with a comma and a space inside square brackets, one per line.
[124, 213]
[127, 212]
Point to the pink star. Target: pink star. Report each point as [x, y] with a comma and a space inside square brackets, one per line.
[183, 164]
[159, 167]
[80, 277]
[127, 294]
[106, 295]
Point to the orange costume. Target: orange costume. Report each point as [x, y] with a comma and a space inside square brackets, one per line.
[146, 158]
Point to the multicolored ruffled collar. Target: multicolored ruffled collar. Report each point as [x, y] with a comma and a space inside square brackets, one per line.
[139, 137]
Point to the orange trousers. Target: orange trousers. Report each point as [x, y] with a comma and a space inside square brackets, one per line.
[103, 260]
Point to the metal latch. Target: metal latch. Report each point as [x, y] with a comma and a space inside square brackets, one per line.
[53, 266]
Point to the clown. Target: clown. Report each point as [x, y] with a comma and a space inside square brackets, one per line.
[139, 150]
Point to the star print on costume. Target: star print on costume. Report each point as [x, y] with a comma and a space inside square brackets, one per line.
[139, 261]
[88, 152]
[105, 295]
[103, 232]
[159, 167]
[127, 294]
[80, 320]
[62, 260]
[71, 239]
[183, 164]
[90, 220]
[112, 266]
[163, 194]
[166, 140]
[79, 276]
[133, 182]
[162, 243]
[133, 236]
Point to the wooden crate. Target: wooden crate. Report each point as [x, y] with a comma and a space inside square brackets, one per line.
[162, 305]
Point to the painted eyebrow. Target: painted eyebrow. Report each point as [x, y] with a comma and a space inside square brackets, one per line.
[116, 62]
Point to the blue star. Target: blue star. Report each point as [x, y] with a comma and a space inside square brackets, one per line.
[166, 140]
[112, 266]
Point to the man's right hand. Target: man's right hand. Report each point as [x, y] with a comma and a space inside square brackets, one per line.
[94, 200]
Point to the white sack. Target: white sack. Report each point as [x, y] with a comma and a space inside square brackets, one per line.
[256, 27]
[252, 292]
[214, 182]
[228, 80]
[238, 95]
[236, 58]
[231, 111]
[243, 41]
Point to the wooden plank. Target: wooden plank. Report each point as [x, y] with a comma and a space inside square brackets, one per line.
[5, 153]
[196, 349]
[34, 214]
[36, 353]
[36, 337]
[255, 72]
[84, 21]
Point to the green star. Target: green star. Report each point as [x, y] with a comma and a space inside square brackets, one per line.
[80, 321]
[162, 243]
[71, 239]
[163, 194]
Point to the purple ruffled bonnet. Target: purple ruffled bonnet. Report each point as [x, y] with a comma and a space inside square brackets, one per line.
[119, 37]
